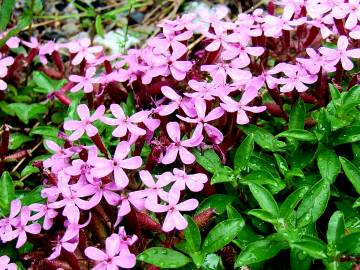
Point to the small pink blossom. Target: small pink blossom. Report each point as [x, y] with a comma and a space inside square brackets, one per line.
[5, 263]
[202, 120]
[178, 146]
[341, 53]
[85, 123]
[68, 242]
[153, 190]
[175, 41]
[241, 106]
[114, 256]
[21, 229]
[71, 197]
[297, 78]
[84, 82]
[194, 182]
[125, 123]
[174, 219]
[104, 167]
[83, 50]
[5, 61]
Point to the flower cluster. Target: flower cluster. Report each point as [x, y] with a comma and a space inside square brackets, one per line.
[187, 97]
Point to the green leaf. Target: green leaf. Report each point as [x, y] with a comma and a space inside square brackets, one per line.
[350, 243]
[352, 173]
[217, 202]
[312, 246]
[163, 257]
[263, 215]
[99, 27]
[336, 228]
[192, 235]
[212, 262]
[282, 163]
[349, 134]
[263, 138]
[243, 153]
[335, 94]
[45, 131]
[209, 160]
[222, 234]
[328, 163]
[356, 203]
[298, 134]
[259, 251]
[232, 212]
[29, 169]
[265, 199]
[297, 115]
[323, 125]
[299, 260]
[5, 13]
[28, 197]
[225, 174]
[26, 112]
[292, 201]
[314, 203]
[44, 84]
[7, 191]
[17, 140]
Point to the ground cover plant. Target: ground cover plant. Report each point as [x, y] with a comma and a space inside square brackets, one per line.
[222, 143]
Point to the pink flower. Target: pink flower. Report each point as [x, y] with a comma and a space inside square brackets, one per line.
[355, 32]
[73, 227]
[273, 26]
[13, 42]
[178, 146]
[219, 39]
[240, 50]
[220, 70]
[181, 23]
[5, 263]
[4, 63]
[117, 165]
[83, 168]
[174, 219]
[209, 91]
[113, 257]
[126, 240]
[172, 40]
[22, 228]
[33, 44]
[85, 123]
[84, 82]
[13, 219]
[351, 10]
[43, 210]
[194, 182]
[315, 62]
[176, 102]
[169, 63]
[83, 50]
[106, 191]
[153, 190]
[60, 159]
[323, 23]
[68, 241]
[202, 120]
[297, 77]
[124, 206]
[71, 197]
[241, 106]
[125, 123]
[341, 53]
